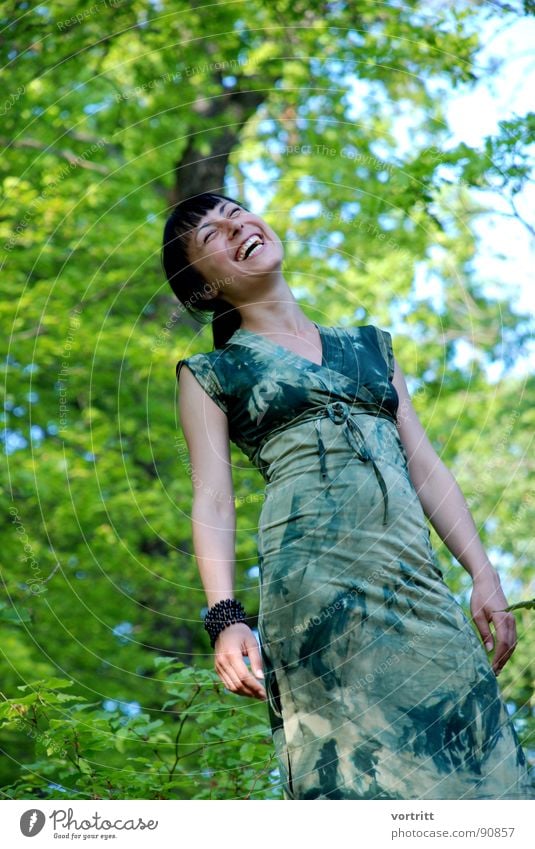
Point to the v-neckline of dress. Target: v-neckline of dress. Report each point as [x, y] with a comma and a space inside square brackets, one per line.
[287, 351]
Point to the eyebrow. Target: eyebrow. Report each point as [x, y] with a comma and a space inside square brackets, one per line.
[210, 223]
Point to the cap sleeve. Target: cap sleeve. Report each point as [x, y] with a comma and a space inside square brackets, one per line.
[384, 340]
[202, 368]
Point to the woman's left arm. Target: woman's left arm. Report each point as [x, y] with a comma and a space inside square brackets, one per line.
[446, 508]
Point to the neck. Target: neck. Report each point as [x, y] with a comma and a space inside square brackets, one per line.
[274, 311]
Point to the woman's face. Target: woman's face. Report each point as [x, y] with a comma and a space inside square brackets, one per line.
[216, 246]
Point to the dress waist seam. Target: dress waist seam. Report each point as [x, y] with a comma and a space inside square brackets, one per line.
[341, 414]
[322, 412]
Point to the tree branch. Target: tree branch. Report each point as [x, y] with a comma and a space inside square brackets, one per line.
[68, 155]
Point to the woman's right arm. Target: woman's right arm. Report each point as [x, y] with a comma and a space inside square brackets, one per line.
[213, 518]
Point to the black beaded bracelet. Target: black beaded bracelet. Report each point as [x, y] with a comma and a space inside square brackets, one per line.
[220, 615]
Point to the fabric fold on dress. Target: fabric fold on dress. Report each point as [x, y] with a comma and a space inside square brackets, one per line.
[340, 413]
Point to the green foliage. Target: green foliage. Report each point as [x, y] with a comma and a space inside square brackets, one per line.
[107, 109]
[200, 744]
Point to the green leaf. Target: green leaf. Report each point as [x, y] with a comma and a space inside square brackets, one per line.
[48, 684]
[522, 605]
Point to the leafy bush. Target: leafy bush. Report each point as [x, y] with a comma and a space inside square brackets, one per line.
[202, 744]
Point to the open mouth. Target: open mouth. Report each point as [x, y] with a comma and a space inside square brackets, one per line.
[252, 246]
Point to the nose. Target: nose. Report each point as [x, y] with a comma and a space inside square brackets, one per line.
[234, 226]
[233, 233]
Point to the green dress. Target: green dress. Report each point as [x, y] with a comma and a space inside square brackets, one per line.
[378, 687]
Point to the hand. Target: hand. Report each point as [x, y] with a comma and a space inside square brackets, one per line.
[231, 644]
[487, 604]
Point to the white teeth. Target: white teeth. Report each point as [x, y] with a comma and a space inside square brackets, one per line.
[255, 250]
[250, 241]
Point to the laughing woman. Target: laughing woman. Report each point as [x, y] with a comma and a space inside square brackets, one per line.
[377, 686]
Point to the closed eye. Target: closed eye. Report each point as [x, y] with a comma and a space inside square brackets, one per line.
[211, 233]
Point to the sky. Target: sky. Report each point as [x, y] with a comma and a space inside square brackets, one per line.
[505, 257]
[506, 249]
[474, 114]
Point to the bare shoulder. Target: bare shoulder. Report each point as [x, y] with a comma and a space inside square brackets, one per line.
[195, 405]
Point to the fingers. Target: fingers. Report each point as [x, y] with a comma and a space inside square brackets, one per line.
[233, 671]
[505, 626]
[483, 627]
[238, 679]
[248, 685]
[225, 671]
[229, 684]
[251, 647]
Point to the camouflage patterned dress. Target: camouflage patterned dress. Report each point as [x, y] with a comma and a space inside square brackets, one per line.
[378, 687]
